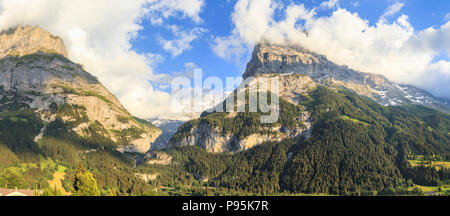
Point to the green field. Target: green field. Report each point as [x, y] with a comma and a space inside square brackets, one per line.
[57, 180]
[23, 167]
[344, 117]
[419, 161]
[444, 190]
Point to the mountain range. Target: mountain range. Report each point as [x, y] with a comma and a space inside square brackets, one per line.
[339, 131]
[290, 59]
[300, 72]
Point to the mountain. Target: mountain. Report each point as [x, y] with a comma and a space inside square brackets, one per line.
[56, 118]
[339, 132]
[334, 134]
[300, 72]
[169, 126]
[270, 58]
[35, 73]
[355, 147]
[237, 131]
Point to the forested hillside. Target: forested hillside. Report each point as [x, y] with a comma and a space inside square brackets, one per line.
[33, 164]
[62, 132]
[357, 147]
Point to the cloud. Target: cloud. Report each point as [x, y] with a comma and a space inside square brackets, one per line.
[158, 10]
[395, 50]
[252, 21]
[391, 10]
[329, 4]
[182, 40]
[229, 47]
[154, 59]
[98, 34]
[447, 17]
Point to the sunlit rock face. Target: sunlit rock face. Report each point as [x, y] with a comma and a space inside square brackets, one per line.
[26, 40]
[270, 58]
[211, 139]
[35, 73]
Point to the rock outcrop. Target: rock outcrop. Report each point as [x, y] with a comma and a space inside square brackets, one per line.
[158, 157]
[35, 73]
[212, 140]
[147, 177]
[27, 40]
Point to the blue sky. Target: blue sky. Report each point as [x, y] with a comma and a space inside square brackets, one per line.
[217, 22]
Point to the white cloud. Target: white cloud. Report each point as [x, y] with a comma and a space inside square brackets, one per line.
[391, 10]
[182, 40]
[394, 49]
[163, 9]
[154, 59]
[252, 18]
[229, 48]
[329, 4]
[97, 35]
[447, 17]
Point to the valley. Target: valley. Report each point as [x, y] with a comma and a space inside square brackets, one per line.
[340, 132]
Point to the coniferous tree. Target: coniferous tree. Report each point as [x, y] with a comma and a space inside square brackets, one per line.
[11, 179]
[85, 185]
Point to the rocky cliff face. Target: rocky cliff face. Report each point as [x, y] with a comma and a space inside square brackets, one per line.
[211, 139]
[287, 59]
[35, 73]
[300, 72]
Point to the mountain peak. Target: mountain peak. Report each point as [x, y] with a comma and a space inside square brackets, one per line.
[25, 40]
[36, 74]
[279, 58]
[285, 59]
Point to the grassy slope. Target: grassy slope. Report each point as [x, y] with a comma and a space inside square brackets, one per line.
[57, 181]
